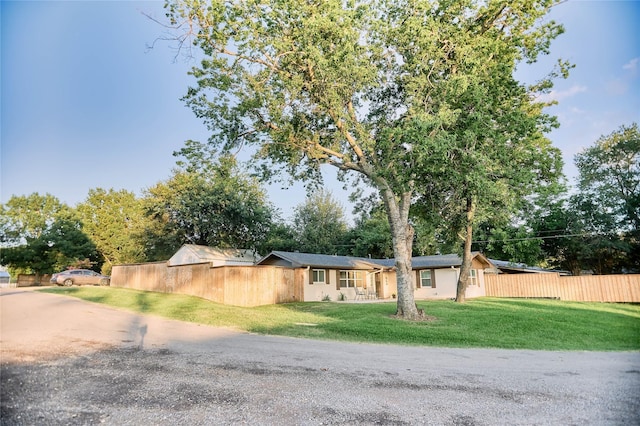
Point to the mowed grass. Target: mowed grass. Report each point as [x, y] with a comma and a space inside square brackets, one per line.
[479, 323]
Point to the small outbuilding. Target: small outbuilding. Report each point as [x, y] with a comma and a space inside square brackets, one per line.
[190, 254]
[5, 278]
[508, 267]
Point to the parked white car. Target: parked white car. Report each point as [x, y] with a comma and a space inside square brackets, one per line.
[80, 277]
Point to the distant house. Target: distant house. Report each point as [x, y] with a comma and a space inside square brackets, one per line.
[190, 254]
[507, 267]
[348, 277]
[5, 278]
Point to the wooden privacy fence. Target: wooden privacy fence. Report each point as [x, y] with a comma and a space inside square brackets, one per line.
[28, 280]
[231, 285]
[588, 288]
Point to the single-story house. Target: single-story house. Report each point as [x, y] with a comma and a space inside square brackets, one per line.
[437, 276]
[345, 277]
[337, 277]
[190, 254]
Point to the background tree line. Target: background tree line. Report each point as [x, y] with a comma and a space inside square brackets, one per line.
[415, 100]
[213, 201]
[593, 227]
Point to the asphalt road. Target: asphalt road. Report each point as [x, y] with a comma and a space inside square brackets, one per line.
[69, 362]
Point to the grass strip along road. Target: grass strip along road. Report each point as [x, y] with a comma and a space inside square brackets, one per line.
[480, 323]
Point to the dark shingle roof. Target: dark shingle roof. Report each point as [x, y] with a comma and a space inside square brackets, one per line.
[436, 261]
[298, 260]
[521, 267]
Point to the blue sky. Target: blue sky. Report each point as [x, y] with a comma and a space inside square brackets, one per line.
[85, 104]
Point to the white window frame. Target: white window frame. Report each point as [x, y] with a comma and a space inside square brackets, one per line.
[473, 277]
[351, 278]
[425, 277]
[315, 273]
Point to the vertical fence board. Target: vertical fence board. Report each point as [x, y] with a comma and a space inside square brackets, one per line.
[262, 285]
[588, 288]
[233, 285]
[28, 280]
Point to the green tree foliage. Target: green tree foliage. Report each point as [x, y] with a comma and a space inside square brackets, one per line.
[115, 221]
[381, 90]
[599, 247]
[562, 236]
[572, 237]
[217, 205]
[609, 184]
[28, 217]
[281, 237]
[371, 236]
[489, 191]
[41, 235]
[560, 231]
[319, 224]
[493, 152]
[610, 175]
[160, 237]
[512, 242]
[518, 237]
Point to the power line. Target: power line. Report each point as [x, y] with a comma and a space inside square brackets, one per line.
[593, 234]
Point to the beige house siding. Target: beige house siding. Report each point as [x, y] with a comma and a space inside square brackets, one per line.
[446, 280]
[478, 289]
[314, 292]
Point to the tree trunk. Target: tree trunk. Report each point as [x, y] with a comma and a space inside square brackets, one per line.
[402, 236]
[465, 268]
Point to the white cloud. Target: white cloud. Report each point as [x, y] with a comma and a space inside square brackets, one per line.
[632, 65]
[620, 86]
[617, 87]
[558, 95]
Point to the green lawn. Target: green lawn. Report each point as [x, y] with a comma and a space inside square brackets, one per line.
[479, 323]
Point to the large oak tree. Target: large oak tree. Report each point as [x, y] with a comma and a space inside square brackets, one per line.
[368, 87]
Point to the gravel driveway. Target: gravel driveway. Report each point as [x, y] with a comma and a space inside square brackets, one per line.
[69, 362]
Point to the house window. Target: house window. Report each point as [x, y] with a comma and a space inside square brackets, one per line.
[425, 278]
[351, 279]
[473, 278]
[318, 276]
